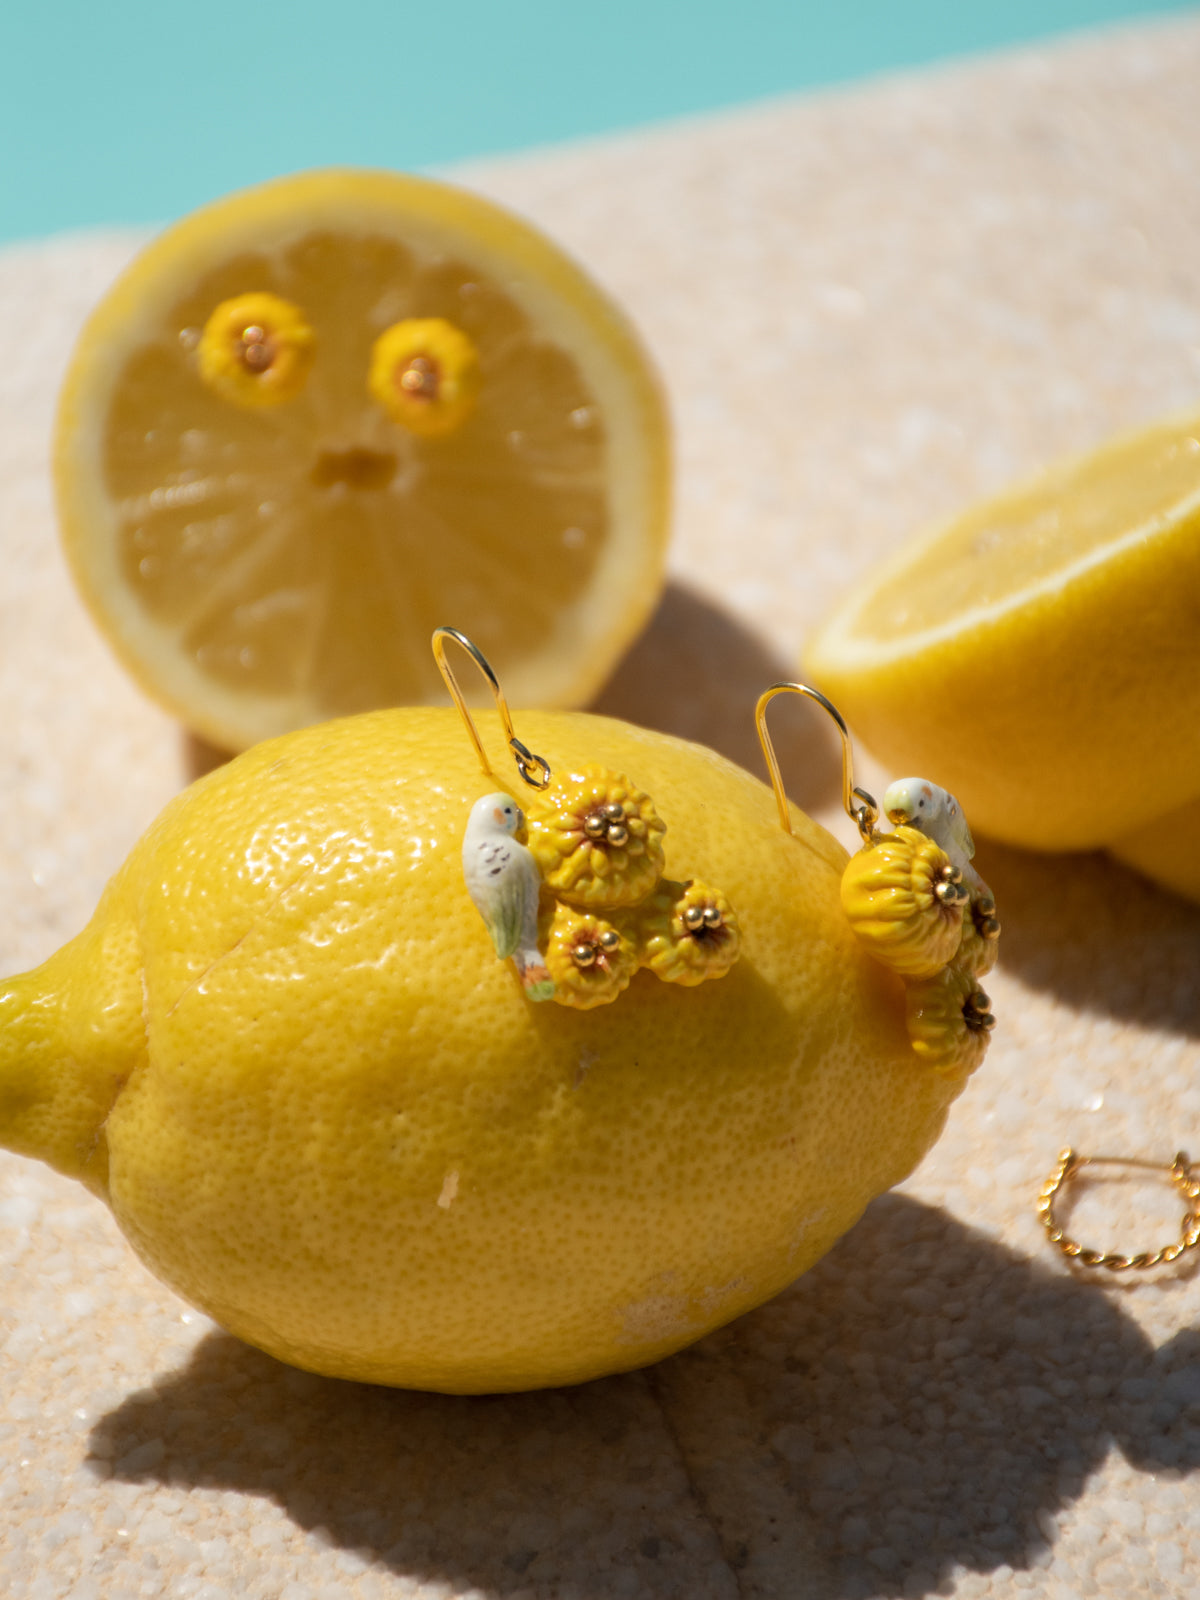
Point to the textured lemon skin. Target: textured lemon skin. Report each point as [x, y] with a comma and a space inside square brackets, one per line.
[1065, 721]
[332, 1120]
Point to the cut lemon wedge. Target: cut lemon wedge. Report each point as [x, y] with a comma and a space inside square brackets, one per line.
[317, 419]
[1040, 655]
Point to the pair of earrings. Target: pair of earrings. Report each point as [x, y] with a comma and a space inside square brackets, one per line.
[912, 897]
[595, 850]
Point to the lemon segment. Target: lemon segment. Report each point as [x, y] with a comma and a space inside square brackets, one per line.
[259, 568]
[1040, 654]
[324, 1112]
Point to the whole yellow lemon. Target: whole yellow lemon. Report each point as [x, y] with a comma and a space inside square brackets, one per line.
[286, 1054]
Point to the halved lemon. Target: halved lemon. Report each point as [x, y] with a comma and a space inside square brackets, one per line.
[1166, 849]
[1040, 655]
[320, 417]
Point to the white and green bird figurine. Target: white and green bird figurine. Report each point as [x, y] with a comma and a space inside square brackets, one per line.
[917, 803]
[503, 881]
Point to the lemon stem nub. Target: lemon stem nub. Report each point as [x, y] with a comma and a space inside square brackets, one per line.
[425, 374]
[67, 1049]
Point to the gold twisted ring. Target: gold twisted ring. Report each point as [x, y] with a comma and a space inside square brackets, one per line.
[1069, 1165]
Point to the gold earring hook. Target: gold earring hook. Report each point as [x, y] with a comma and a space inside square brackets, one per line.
[533, 768]
[865, 813]
[1181, 1174]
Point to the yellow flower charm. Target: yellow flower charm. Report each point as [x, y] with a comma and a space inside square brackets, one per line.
[949, 1019]
[590, 959]
[425, 374]
[689, 933]
[981, 935]
[597, 839]
[905, 901]
[256, 350]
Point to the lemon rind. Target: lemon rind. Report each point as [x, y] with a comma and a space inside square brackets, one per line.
[585, 641]
[839, 643]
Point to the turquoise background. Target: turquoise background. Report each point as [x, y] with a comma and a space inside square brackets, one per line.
[136, 111]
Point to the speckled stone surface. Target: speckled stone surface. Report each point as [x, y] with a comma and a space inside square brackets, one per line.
[870, 307]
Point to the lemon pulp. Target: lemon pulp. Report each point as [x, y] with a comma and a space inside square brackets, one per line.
[261, 568]
[1017, 547]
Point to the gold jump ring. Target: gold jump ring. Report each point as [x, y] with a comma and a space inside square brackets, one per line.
[533, 768]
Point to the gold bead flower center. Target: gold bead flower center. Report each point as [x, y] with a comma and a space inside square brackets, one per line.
[700, 920]
[590, 951]
[256, 348]
[421, 378]
[607, 825]
[977, 1012]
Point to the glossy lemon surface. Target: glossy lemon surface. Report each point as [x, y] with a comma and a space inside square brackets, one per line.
[285, 1053]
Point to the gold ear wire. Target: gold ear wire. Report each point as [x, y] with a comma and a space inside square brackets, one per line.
[533, 768]
[865, 813]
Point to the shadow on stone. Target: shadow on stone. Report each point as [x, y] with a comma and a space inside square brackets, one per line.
[924, 1399]
[198, 758]
[931, 1400]
[696, 673]
[1098, 935]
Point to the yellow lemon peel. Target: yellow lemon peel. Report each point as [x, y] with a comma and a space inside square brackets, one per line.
[597, 839]
[1055, 621]
[949, 1018]
[689, 933]
[890, 893]
[256, 350]
[424, 372]
[324, 1113]
[590, 959]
